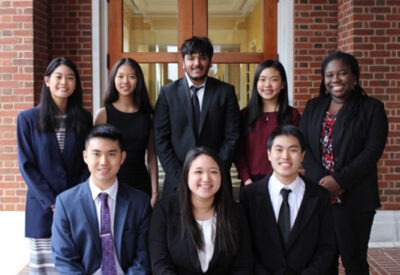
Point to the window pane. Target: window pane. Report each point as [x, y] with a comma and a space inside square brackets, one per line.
[239, 75]
[236, 26]
[150, 26]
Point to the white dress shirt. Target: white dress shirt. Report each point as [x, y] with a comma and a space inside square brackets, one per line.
[112, 198]
[295, 197]
[207, 228]
[200, 92]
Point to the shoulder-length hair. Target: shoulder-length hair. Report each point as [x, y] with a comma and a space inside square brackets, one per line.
[255, 105]
[227, 224]
[78, 119]
[358, 94]
[140, 97]
[348, 60]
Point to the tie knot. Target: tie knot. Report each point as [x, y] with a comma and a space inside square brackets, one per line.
[103, 197]
[195, 89]
[285, 193]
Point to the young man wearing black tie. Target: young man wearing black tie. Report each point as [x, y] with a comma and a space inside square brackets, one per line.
[289, 217]
[195, 110]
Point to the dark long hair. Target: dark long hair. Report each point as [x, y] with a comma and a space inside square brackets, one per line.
[255, 105]
[358, 93]
[227, 222]
[78, 119]
[140, 96]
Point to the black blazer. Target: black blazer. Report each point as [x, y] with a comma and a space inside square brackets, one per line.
[358, 144]
[170, 254]
[311, 244]
[173, 126]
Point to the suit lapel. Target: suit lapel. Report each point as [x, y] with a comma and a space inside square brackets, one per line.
[191, 251]
[265, 212]
[318, 115]
[89, 211]
[69, 142]
[307, 208]
[121, 211]
[209, 93]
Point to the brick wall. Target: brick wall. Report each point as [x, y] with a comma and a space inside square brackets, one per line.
[315, 35]
[40, 44]
[71, 36]
[31, 34]
[370, 30]
[16, 82]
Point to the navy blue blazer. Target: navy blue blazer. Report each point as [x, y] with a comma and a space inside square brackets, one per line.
[171, 255]
[173, 126]
[358, 144]
[46, 171]
[311, 245]
[76, 244]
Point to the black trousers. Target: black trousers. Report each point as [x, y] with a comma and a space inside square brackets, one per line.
[352, 232]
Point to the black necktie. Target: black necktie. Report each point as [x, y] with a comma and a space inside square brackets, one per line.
[284, 215]
[196, 108]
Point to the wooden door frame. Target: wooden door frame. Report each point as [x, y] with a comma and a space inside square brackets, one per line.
[191, 25]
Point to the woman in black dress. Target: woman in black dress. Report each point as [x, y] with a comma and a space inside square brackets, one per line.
[127, 107]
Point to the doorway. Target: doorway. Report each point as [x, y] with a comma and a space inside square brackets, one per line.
[243, 34]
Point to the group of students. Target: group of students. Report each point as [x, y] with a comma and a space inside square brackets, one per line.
[197, 131]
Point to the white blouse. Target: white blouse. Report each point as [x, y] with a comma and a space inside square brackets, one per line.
[207, 228]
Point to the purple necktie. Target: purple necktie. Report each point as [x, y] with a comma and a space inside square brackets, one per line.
[107, 246]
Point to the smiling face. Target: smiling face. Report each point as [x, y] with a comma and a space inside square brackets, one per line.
[196, 67]
[339, 80]
[204, 178]
[61, 83]
[270, 84]
[104, 158]
[286, 157]
[125, 80]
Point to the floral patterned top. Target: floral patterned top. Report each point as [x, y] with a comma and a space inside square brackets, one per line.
[326, 142]
[328, 161]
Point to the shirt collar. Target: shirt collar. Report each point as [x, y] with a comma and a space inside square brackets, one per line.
[111, 191]
[276, 185]
[190, 83]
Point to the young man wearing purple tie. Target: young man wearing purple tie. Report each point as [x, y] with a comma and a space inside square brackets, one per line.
[100, 226]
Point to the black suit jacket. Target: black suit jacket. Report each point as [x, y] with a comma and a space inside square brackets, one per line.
[311, 244]
[358, 144]
[170, 254]
[173, 126]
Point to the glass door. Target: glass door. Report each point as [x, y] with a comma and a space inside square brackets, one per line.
[150, 31]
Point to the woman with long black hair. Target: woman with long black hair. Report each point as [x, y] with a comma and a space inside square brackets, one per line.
[267, 109]
[51, 139]
[201, 231]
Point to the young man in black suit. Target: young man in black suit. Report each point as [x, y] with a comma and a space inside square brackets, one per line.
[302, 241]
[184, 118]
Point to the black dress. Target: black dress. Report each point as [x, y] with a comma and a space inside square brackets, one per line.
[135, 129]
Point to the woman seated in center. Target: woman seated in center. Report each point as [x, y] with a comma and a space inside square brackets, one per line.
[202, 230]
